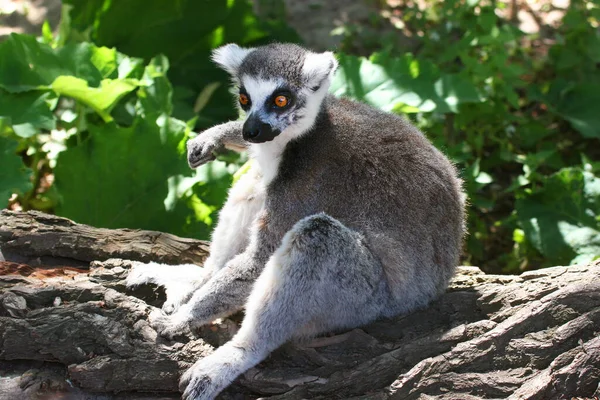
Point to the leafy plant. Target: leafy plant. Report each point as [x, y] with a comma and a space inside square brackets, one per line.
[516, 115]
[562, 217]
[99, 111]
[122, 159]
[185, 31]
[97, 127]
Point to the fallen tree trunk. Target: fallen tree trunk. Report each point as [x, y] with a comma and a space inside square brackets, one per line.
[69, 326]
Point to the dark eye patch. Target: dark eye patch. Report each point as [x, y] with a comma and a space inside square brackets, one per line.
[248, 104]
[281, 91]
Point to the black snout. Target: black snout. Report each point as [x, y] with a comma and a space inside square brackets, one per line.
[256, 131]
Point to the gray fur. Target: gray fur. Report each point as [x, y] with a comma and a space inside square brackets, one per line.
[363, 218]
[284, 60]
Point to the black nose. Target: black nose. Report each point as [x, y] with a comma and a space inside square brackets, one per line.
[252, 133]
[256, 131]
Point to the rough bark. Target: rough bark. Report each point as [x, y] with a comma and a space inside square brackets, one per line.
[80, 333]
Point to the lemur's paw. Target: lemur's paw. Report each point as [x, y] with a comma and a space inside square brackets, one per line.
[175, 301]
[201, 149]
[140, 274]
[200, 382]
[198, 388]
[211, 374]
[169, 326]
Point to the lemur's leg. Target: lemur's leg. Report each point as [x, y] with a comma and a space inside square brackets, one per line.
[322, 278]
[223, 294]
[231, 235]
[230, 238]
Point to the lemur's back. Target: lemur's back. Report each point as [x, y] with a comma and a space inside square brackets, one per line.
[380, 176]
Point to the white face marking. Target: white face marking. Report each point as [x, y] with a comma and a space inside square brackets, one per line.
[259, 90]
[267, 154]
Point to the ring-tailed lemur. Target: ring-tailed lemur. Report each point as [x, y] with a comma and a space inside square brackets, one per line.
[348, 214]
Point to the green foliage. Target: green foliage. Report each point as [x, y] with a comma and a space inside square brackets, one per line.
[186, 31]
[27, 113]
[14, 177]
[106, 105]
[402, 84]
[518, 119]
[102, 124]
[562, 217]
[122, 161]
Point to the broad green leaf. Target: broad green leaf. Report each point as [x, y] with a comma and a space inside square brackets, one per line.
[157, 97]
[404, 83]
[26, 64]
[579, 106]
[102, 99]
[14, 176]
[185, 31]
[118, 177]
[562, 218]
[105, 60]
[26, 113]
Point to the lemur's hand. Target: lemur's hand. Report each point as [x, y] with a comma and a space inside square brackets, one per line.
[170, 326]
[202, 148]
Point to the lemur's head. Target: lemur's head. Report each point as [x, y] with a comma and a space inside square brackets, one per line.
[281, 87]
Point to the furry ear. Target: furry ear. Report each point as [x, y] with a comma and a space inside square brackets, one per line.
[230, 57]
[318, 67]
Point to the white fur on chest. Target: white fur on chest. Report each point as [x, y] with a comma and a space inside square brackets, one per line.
[268, 156]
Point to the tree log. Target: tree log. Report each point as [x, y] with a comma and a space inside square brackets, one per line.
[69, 328]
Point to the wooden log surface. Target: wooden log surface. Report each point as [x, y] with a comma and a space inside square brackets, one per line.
[69, 329]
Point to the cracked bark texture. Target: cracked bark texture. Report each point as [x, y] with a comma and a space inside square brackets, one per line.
[69, 329]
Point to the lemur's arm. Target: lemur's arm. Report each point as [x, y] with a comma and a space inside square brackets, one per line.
[203, 147]
[224, 293]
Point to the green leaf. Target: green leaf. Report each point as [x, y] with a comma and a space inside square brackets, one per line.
[185, 31]
[14, 176]
[102, 99]
[404, 83]
[561, 219]
[26, 113]
[26, 64]
[125, 174]
[157, 97]
[453, 90]
[576, 105]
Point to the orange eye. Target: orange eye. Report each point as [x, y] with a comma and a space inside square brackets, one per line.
[244, 100]
[281, 101]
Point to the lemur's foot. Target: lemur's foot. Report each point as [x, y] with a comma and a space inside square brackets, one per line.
[210, 375]
[140, 274]
[180, 281]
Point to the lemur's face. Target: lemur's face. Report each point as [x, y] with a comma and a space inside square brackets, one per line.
[280, 87]
[271, 106]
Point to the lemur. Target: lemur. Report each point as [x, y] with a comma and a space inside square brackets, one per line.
[348, 214]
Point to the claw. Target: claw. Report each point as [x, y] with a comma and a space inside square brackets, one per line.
[198, 389]
[200, 151]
